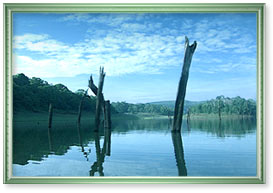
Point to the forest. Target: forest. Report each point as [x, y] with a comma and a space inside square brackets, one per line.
[35, 94]
[226, 105]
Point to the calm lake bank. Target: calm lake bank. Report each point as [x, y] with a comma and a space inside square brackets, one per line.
[134, 147]
[63, 116]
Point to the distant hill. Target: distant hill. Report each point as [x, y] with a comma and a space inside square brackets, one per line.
[169, 104]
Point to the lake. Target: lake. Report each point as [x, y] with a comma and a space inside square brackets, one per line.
[135, 147]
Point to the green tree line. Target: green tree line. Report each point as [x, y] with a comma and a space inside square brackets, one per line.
[35, 94]
[226, 105]
[123, 107]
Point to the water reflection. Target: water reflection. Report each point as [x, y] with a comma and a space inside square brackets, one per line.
[49, 139]
[36, 142]
[179, 154]
[107, 142]
[222, 128]
[85, 153]
[97, 166]
[101, 153]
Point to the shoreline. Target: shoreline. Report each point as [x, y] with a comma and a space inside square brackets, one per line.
[23, 116]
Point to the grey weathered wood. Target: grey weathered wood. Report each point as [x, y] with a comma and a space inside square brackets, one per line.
[50, 113]
[80, 106]
[107, 114]
[179, 103]
[99, 101]
[105, 105]
[80, 111]
[92, 86]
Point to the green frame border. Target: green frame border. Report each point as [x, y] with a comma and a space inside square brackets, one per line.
[258, 8]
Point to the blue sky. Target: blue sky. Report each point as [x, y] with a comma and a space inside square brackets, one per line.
[142, 54]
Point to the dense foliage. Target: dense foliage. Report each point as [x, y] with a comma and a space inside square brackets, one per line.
[226, 105]
[36, 94]
[123, 107]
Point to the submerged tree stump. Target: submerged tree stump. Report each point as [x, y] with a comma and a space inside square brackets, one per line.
[107, 114]
[99, 100]
[50, 113]
[105, 106]
[179, 103]
[80, 106]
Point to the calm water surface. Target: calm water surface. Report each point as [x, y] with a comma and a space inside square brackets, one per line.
[136, 148]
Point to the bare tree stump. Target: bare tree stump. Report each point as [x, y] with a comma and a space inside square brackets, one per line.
[105, 105]
[99, 100]
[50, 113]
[94, 88]
[80, 111]
[107, 115]
[80, 106]
[179, 103]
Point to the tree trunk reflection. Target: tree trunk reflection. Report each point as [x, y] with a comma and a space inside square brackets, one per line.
[179, 154]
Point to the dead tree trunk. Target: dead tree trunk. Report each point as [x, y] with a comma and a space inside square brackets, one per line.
[179, 103]
[49, 139]
[107, 114]
[100, 101]
[80, 111]
[94, 89]
[80, 106]
[105, 105]
[50, 113]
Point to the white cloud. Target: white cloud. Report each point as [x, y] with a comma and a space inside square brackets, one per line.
[241, 64]
[118, 53]
[21, 42]
[114, 19]
[133, 44]
[75, 17]
[39, 43]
